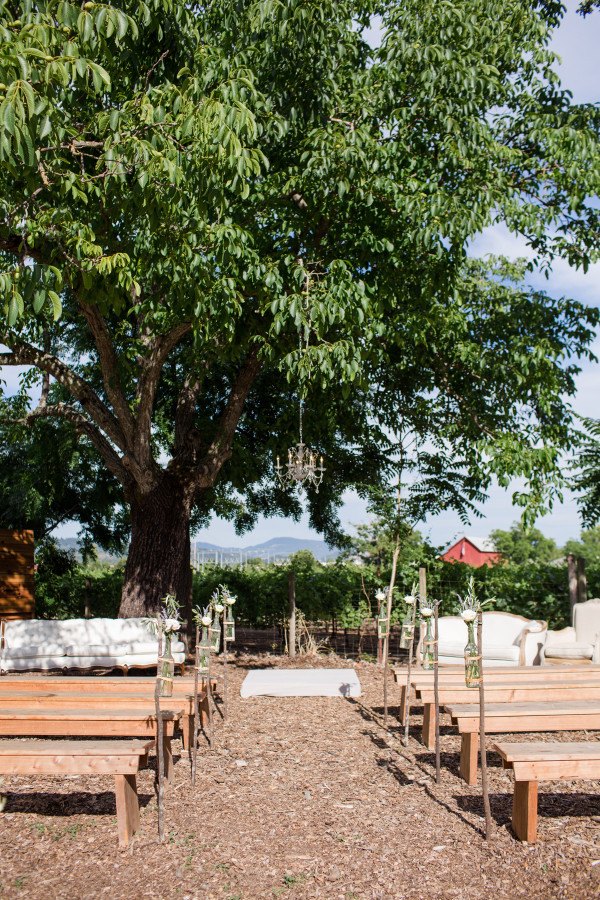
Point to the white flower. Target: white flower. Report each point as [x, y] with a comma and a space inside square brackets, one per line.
[426, 611]
[172, 625]
[219, 607]
[206, 620]
[380, 596]
[409, 599]
[468, 615]
[230, 600]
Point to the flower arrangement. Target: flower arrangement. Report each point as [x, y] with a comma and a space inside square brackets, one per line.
[167, 618]
[166, 622]
[382, 620]
[228, 599]
[203, 620]
[469, 608]
[408, 621]
[426, 612]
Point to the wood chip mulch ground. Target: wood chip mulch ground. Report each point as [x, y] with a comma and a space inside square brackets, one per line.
[302, 798]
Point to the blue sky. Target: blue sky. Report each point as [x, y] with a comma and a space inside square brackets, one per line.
[577, 42]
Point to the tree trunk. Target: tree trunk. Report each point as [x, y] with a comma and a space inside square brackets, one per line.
[159, 554]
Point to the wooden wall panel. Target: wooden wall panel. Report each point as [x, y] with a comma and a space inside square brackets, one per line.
[17, 586]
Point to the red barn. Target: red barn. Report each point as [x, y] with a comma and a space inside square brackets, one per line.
[473, 551]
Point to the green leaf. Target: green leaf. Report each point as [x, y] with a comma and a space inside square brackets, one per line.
[56, 304]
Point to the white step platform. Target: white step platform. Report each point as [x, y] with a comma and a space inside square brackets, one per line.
[301, 683]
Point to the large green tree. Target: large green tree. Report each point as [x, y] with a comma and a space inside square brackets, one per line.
[207, 209]
[520, 545]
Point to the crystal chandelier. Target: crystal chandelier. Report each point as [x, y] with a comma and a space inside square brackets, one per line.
[301, 467]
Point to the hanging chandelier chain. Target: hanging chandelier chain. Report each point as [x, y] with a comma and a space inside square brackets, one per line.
[301, 467]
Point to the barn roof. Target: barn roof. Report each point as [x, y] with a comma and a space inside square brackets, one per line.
[484, 545]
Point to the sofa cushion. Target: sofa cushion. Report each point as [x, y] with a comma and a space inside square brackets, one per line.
[116, 649]
[489, 652]
[31, 652]
[125, 659]
[569, 650]
[32, 633]
[128, 648]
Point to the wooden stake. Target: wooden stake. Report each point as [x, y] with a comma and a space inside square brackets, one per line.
[581, 580]
[407, 699]
[292, 614]
[194, 749]
[572, 582]
[224, 664]
[436, 695]
[159, 743]
[482, 750]
[386, 640]
[209, 702]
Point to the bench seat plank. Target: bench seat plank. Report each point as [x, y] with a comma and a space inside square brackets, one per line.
[90, 683]
[498, 693]
[455, 675]
[536, 761]
[574, 715]
[32, 722]
[83, 686]
[118, 758]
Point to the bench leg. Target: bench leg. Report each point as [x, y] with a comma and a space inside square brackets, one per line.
[128, 807]
[524, 817]
[187, 732]
[428, 734]
[204, 711]
[468, 756]
[402, 715]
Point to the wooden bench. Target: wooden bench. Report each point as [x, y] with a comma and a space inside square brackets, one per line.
[498, 693]
[31, 722]
[455, 675]
[512, 718]
[182, 688]
[181, 703]
[535, 762]
[119, 758]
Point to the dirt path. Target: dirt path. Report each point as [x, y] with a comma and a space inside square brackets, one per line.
[301, 798]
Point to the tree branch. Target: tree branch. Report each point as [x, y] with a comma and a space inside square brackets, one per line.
[220, 448]
[186, 407]
[110, 371]
[113, 461]
[151, 370]
[26, 354]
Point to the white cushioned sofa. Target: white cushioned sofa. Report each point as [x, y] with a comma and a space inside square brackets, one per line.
[579, 643]
[508, 640]
[65, 644]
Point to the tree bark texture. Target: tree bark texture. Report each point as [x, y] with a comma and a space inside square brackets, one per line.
[159, 554]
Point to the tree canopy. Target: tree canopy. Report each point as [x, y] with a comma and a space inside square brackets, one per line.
[520, 545]
[210, 209]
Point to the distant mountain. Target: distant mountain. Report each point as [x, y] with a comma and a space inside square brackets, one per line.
[276, 548]
[269, 551]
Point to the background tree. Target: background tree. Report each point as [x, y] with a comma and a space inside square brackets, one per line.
[48, 476]
[521, 545]
[588, 546]
[203, 204]
[375, 545]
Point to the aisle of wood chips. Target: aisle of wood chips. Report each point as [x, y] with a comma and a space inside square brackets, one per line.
[301, 798]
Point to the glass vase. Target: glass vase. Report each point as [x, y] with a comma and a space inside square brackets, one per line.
[472, 668]
[215, 634]
[229, 626]
[407, 630]
[167, 669]
[428, 656]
